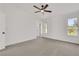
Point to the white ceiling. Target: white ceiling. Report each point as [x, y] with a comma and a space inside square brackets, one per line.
[57, 8]
[64, 8]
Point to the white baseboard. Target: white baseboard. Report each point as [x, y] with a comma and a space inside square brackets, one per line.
[21, 41]
[61, 40]
[1, 48]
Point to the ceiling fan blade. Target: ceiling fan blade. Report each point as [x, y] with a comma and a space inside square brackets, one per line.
[42, 7]
[37, 11]
[47, 11]
[36, 7]
[45, 6]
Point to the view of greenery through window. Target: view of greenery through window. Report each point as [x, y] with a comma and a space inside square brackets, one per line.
[72, 27]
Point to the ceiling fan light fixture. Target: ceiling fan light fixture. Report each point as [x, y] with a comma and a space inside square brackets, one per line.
[42, 10]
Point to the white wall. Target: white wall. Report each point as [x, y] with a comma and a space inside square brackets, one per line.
[2, 29]
[59, 28]
[21, 23]
[58, 22]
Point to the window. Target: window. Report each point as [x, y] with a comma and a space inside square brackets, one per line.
[72, 27]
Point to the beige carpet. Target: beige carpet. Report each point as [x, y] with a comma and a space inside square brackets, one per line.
[42, 47]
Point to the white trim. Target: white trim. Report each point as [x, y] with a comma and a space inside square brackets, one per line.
[1, 48]
[21, 41]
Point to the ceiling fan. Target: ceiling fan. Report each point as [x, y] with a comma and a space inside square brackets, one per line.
[42, 9]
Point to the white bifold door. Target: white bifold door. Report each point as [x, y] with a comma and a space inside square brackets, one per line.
[2, 31]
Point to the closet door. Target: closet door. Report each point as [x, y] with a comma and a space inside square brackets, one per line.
[2, 31]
